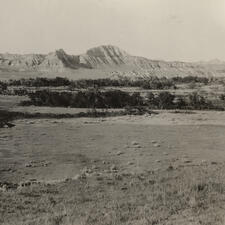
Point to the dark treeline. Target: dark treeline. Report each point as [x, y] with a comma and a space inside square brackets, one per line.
[193, 101]
[122, 81]
[85, 99]
[152, 82]
[119, 99]
[190, 79]
[146, 83]
[40, 82]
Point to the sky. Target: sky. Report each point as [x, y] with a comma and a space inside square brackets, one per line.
[184, 30]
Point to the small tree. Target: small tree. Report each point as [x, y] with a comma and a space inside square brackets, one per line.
[165, 100]
[151, 100]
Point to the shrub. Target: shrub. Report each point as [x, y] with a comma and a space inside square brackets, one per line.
[165, 100]
[222, 97]
[3, 87]
[195, 101]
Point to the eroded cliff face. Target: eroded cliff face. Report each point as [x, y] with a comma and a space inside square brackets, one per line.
[108, 57]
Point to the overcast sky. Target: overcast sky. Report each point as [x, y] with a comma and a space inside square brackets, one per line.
[188, 30]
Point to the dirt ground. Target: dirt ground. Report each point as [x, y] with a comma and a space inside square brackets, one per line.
[57, 151]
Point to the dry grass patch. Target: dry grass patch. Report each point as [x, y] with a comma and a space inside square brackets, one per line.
[187, 195]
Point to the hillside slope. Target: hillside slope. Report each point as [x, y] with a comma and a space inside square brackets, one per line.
[109, 60]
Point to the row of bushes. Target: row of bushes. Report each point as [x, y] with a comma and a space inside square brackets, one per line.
[94, 98]
[151, 83]
[40, 82]
[85, 99]
[146, 83]
[193, 101]
[191, 79]
[157, 82]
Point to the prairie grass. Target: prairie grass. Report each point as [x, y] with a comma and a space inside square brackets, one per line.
[186, 195]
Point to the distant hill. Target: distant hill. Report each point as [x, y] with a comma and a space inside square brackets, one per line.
[105, 61]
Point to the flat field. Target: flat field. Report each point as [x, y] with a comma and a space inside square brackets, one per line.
[159, 169]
